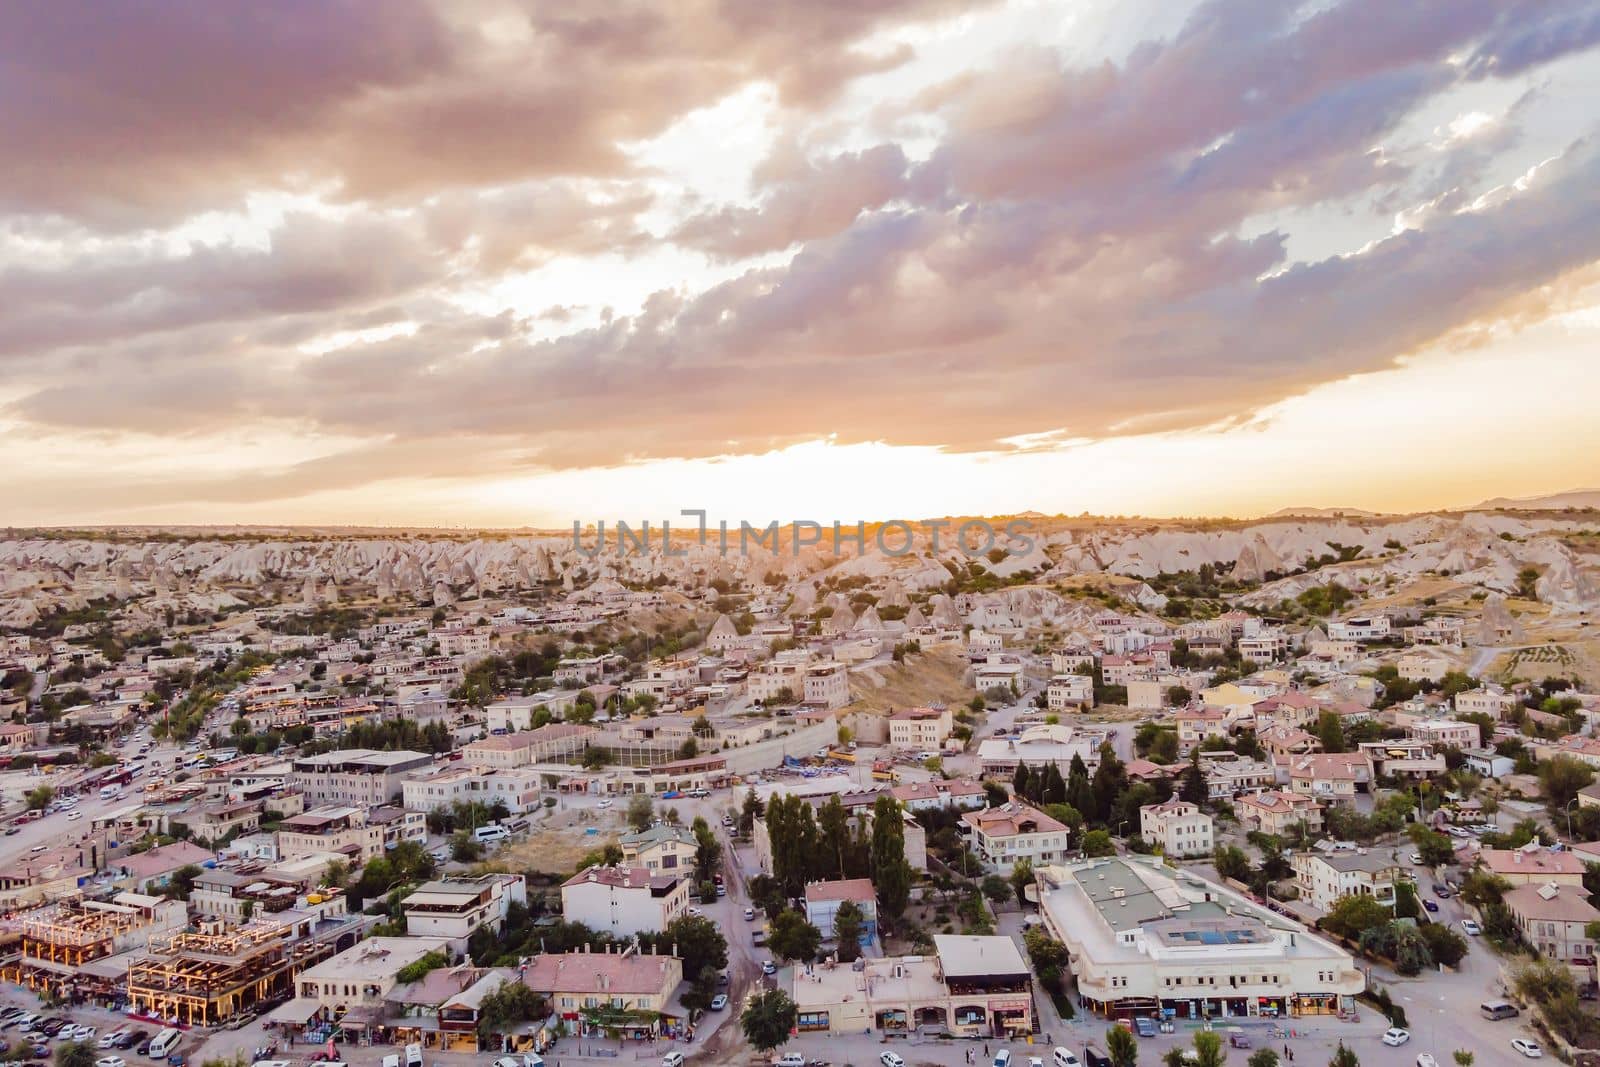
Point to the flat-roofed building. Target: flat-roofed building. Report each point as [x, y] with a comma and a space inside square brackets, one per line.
[920, 729]
[1142, 939]
[358, 776]
[457, 907]
[1177, 827]
[625, 900]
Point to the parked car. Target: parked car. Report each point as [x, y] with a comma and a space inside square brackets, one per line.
[890, 1059]
[1395, 1036]
[1427, 1060]
[1527, 1047]
[110, 1061]
[1470, 926]
[768, 967]
[1237, 1040]
[719, 1002]
[1430, 906]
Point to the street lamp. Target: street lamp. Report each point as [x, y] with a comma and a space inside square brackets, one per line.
[1568, 809]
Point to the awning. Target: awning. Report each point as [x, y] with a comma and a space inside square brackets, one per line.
[296, 1012]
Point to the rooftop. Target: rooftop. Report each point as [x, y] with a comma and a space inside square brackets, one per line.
[849, 889]
[974, 956]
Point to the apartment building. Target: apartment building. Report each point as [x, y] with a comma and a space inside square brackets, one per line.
[461, 783]
[823, 900]
[1278, 812]
[1070, 692]
[1013, 832]
[625, 900]
[1445, 733]
[1485, 700]
[1324, 877]
[355, 776]
[633, 985]
[827, 685]
[454, 908]
[1554, 919]
[1176, 827]
[1198, 723]
[357, 833]
[920, 729]
[664, 848]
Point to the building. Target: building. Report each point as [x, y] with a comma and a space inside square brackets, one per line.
[824, 898]
[455, 908]
[1554, 920]
[358, 980]
[1144, 940]
[920, 729]
[1278, 812]
[1323, 878]
[446, 785]
[550, 743]
[626, 991]
[356, 833]
[1004, 836]
[1485, 700]
[857, 804]
[1402, 759]
[1230, 775]
[1070, 692]
[1445, 733]
[1332, 777]
[625, 900]
[664, 847]
[60, 947]
[1197, 724]
[1037, 746]
[356, 776]
[210, 975]
[1532, 865]
[1488, 763]
[941, 793]
[827, 685]
[1176, 827]
[1364, 628]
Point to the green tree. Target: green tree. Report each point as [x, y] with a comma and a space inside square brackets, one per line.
[707, 850]
[1405, 901]
[1231, 862]
[766, 1021]
[1560, 778]
[1192, 787]
[75, 1054]
[641, 811]
[848, 922]
[1462, 1057]
[792, 938]
[1434, 848]
[1098, 843]
[1354, 913]
[1330, 731]
[996, 888]
[891, 874]
[1121, 1047]
[37, 800]
[1343, 1057]
[699, 943]
[1208, 1049]
[1263, 1057]
[464, 848]
[508, 1005]
[833, 832]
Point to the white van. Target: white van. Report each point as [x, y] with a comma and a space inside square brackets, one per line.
[1063, 1057]
[490, 833]
[1002, 1058]
[413, 1056]
[165, 1042]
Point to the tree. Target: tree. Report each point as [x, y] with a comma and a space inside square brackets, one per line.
[1208, 1049]
[641, 811]
[707, 850]
[833, 832]
[75, 1054]
[891, 874]
[1462, 1057]
[792, 938]
[1021, 878]
[39, 799]
[766, 1022]
[1354, 913]
[848, 923]
[996, 888]
[1405, 901]
[1434, 848]
[1560, 777]
[699, 941]
[1262, 1057]
[508, 1005]
[1231, 862]
[1121, 1047]
[1330, 731]
[1343, 1057]
[1444, 944]
[1098, 843]
[1192, 789]
[464, 848]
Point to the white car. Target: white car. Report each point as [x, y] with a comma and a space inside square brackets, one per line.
[890, 1059]
[1416, 857]
[1470, 926]
[719, 1002]
[110, 1061]
[1427, 1060]
[1396, 1036]
[1528, 1048]
[74, 816]
[605, 803]
[769, 967]
[86, 1033]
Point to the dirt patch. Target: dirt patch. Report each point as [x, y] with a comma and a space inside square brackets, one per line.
[936, 676]
[557, 845]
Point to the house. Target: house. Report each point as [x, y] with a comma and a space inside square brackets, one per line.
[1364, 628]
[1036, 747]
[625, 900]
[1445, 733]
[1582, 749]
[1074, 692]
[1532, 865]
[147, 872]
[1278, 812]
[1229, 775]
[1485, 700]
[920, 729]
[1335, 777]
[1554, 920]
[1176, 827]
[1142, 939]
[629, 989]
[455, 908]
[664, 847]
[1280, 739]
[1004, 836]
[547, 744]
[357, 833]
[1198, 723]
[1488, 763]
[824, 898]
[1324, 877]
[362, 976]
[940, 793]
[1402, 759]
[1423, 667]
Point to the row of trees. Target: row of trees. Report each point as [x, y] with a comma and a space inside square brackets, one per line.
[828, 846]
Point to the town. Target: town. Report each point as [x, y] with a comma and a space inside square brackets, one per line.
[1133, 792]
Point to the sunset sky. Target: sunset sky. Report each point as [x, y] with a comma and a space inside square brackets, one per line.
[512, 262]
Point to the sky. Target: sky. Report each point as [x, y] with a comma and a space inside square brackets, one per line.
[512, 262]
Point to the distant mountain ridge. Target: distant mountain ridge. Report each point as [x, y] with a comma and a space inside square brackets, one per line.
[1571, 499]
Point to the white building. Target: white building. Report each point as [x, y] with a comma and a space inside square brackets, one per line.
[920, 729]
[1070, 691]
[454, 908]
[827, 685]
[1178, 828]
[1003, 836]
[624, 900]
[1323, 878]
[1363, 628]
[1142, 940]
